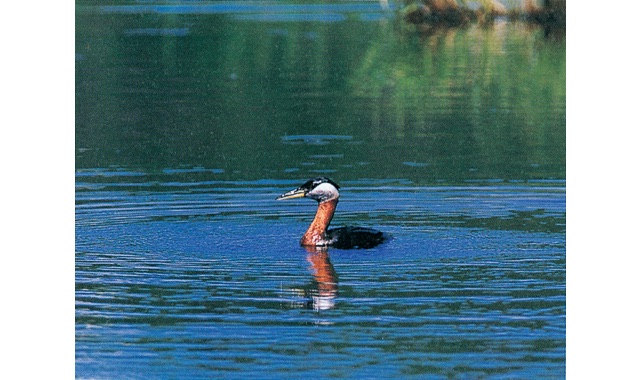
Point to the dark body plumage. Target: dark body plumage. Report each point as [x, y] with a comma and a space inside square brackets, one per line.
[354, 237]
[325, 192]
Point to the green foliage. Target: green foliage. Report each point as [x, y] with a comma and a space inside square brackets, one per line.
[425, 103]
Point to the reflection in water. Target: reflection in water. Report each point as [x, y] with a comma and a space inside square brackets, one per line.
[210, 282]
[480, 101]
[184, 91]
[187, 123]
[321, 292]
[325, 280]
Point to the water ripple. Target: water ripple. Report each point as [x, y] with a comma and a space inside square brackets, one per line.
[212, 280]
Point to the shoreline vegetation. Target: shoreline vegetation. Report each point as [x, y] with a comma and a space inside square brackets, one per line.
[550, 13]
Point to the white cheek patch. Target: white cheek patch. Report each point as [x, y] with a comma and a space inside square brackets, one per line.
[324, 191]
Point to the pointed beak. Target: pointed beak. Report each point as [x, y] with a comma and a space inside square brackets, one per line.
[297, 193]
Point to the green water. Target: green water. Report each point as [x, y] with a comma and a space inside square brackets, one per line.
[192, 117]
[356, 98]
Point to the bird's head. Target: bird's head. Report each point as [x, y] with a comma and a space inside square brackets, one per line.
[322, 189]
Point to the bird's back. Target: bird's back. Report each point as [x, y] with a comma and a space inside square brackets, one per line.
[355, 237]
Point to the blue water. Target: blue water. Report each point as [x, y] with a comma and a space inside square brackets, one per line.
[188, 280]
[192, 117]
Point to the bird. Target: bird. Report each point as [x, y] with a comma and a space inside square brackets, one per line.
[325, 191]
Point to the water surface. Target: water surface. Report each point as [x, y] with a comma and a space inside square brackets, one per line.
[192, 118]
[211, 282]
[290, 99]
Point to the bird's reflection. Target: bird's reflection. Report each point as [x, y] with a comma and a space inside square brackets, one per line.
[325, 282]
[320, 293]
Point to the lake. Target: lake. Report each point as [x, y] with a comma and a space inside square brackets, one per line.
[191, 118]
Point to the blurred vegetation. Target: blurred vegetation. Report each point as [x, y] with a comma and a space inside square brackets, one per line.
[155, 91]
[548, 12]
[499, 88]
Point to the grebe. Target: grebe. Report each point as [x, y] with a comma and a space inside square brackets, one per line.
[325, 191]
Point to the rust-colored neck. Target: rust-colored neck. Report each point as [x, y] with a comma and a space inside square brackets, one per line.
[323, 272]
[316, 232]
